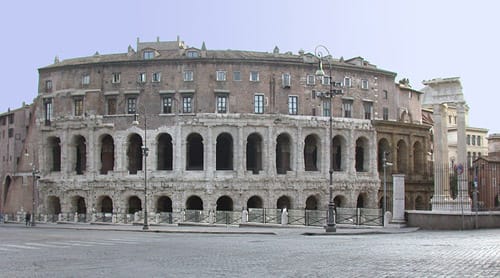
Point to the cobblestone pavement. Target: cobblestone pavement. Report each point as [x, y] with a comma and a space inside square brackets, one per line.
[40, 252]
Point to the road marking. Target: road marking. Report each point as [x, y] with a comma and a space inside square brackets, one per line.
[20, 246]
[6, 249]
[45, 245]
[90, 243]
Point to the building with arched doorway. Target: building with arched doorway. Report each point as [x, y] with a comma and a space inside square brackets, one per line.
[226, 131]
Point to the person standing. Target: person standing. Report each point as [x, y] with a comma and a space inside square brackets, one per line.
[27, 219]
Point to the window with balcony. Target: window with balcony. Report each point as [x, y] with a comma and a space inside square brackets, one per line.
[221, 104]
[187, 104]
[131, 105]
[166, 104]
[347, 108]
[78, 106]
[368, 107]
[326, 107]
[385, 114]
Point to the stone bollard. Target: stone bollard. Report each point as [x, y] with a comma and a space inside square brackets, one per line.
[157, 218]
[93, 217]
[60, 217]
[387, 218]
[183, 216]
[6, 218]
[244, 216]
[113, 218]
[45, 218]
[284, 217]
[136, 216]
[211, 215]
[75, 218]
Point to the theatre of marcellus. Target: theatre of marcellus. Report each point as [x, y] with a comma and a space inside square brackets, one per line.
[226, 130]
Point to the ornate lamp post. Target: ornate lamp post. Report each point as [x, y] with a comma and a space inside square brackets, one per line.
[145, 152]
[385, 164]
[330, 223]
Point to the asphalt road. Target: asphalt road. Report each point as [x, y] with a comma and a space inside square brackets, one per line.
[36, 252]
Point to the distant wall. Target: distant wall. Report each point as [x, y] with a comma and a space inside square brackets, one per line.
[443, 220]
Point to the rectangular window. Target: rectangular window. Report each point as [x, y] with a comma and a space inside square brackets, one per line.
[221, 104]
[48, 85]
[479, 140]
[111, 106]
[254, 76]
[115, 78]
[310, 79]
[187, 104]
[188, 75]
[258, 104]
[326, 107]
[148, 54]
[86, 79]
[364, 84]
[3, 120]
[325, 80]
[385, 114]
[473, 140]
[11, 132]
[385, 94]
[347, 107]
[166, 105]
[78, 103]
[131, 105]
[141, 78]
[347, 82]
[156, 77]
[292, 105]
[11, 118]
[286, 80]
[236, 75]
[220, 75]
[468, 139]
[193, 54]
[368, 106]
[47, 110]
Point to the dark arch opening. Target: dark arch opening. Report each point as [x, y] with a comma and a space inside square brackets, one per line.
[134, 153]
[106, 204]
[283, 154]
[134, 204]
[224, 203]
[80, 154]
[283, 202]
[164, 204]
[255, 202]
[254, 153]
[311, 203]
[194, 203]
[107, 154]
[194, 152]
[224, 152]
[360, 203]
[7, 184]
[311, 153]
[53, 205]
[165, 152]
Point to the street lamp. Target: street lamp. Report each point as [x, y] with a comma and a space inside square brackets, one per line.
[385, 164]
[330, 223]
[145, 152]
[35, 176]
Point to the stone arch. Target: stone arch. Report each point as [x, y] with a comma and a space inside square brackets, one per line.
[402, 157]
[340, 201]
[164, 152]
[224, 152]
[362, 155]
[283, 153]
[134, 204]
[53, 205]
[79, 149]
[194, 203]
[284, 202]
[361, 201]
[78, 205]
[107, 154]
[134, 153]
[383, 147]
[194, 152]
[418, 158]
[105, 204]
[311, 153]
[254, 153]
[312, 203]
[255, 202]
[224, 203]
[54, 154]
[338, 153]
[163, 204]
[6, 187]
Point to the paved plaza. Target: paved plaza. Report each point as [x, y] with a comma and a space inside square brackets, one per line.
[126, 251]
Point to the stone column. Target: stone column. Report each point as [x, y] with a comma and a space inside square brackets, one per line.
[240, 152]
[463, 196]
[398, 199]
[271, 152]
[441, 198]
[299, 154]
[209, 145]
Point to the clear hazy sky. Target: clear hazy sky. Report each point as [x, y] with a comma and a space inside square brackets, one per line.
[420, 39]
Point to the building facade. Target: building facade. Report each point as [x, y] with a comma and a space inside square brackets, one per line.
[225, 130]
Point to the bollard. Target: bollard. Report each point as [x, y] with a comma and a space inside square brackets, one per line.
[157, 218]
[284, 217]
[76, 217]
[244, 216]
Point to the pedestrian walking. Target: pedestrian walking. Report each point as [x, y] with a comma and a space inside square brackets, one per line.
[27, 218]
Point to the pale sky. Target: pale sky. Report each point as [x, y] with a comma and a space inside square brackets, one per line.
[419, 40]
